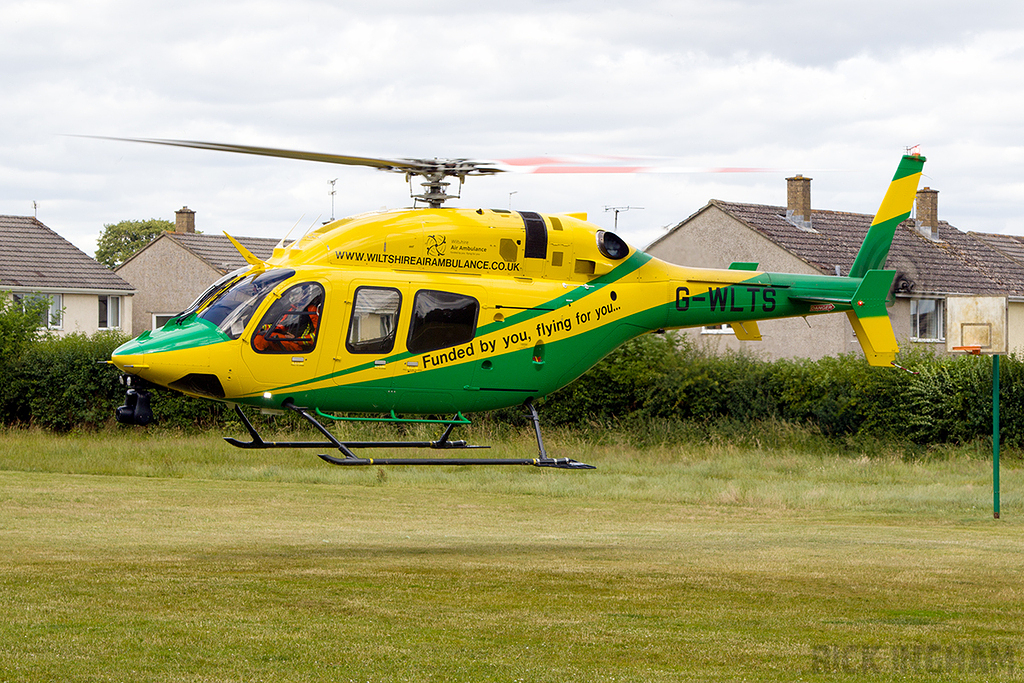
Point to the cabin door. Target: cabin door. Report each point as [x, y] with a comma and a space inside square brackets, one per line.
[284, 350]
[363, 365]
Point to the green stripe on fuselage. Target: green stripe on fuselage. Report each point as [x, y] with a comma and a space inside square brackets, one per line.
[793, 297]
[631, 264]
[190, 333]
[512, 377]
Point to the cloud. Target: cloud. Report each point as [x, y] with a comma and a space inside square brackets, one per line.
[832, 90]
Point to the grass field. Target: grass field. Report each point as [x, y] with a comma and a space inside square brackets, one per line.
[162, 557]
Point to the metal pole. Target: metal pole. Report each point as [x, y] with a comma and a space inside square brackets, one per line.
[332, 193]
[995, 435]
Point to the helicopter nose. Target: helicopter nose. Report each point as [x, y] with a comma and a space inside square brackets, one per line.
[167, 355]
[129, 357]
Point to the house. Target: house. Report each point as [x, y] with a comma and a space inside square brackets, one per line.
[933, 260]
[84, 295]
[176, 267]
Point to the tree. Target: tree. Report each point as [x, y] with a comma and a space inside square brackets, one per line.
[120, 241]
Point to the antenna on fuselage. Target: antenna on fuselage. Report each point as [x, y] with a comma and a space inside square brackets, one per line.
[281, 243]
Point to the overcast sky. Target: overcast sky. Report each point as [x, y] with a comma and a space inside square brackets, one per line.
[833, 90]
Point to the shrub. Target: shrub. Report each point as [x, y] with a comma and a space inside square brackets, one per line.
[63, 383]
[661, 381]
[950, 400]
[618, 384]
[19, 330]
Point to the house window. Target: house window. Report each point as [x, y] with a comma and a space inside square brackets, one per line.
[440, 320]
[161, 319]
[928, 320]
[110, 312]
[52, 316]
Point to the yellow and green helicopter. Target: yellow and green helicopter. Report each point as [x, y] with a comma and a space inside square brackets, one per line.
[442, 311]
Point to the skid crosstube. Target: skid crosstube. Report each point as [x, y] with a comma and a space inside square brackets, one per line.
[442, 443]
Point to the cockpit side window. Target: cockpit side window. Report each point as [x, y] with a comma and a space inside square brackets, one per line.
[441, 319]
[232, 309]
[292, 323]
[374, 320]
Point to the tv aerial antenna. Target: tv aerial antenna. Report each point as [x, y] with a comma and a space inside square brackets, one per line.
[333, 192]
[617, 209]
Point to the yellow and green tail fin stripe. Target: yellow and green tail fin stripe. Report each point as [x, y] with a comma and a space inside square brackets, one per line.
[895, 208]
[876, 338]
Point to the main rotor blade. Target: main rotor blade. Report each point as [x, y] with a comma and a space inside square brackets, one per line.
[611, 164]
[581, 164]
[401, 165]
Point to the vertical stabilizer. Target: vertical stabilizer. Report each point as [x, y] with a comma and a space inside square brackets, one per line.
[895, 208]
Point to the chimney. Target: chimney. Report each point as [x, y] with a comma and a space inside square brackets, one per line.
[184, 220]
[798, 201]
[928, 213]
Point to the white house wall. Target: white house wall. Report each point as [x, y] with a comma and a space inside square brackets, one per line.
[1015, 327]
[82, 314]
[167, 278]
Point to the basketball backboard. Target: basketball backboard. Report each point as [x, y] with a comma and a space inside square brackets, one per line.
[976, 323]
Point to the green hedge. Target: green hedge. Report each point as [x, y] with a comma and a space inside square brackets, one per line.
[948, 400]
[64, 383]
[61, 383]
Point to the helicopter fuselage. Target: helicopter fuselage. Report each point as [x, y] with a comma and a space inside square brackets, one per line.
[444, 310]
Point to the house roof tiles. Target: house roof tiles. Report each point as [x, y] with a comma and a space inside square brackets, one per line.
[958, 263]
[33, 255]
[219, 253]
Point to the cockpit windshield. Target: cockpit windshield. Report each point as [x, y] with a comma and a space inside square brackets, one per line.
[232, 309]
[211, 291]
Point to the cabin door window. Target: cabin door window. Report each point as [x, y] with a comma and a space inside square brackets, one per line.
[374, 320]
[441, 319]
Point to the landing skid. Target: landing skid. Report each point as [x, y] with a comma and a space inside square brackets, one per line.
[442, 443]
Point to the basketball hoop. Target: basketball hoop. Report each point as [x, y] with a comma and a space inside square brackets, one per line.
[973, 350]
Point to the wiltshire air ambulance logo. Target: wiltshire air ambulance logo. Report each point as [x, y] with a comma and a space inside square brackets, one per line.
[436, 245]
